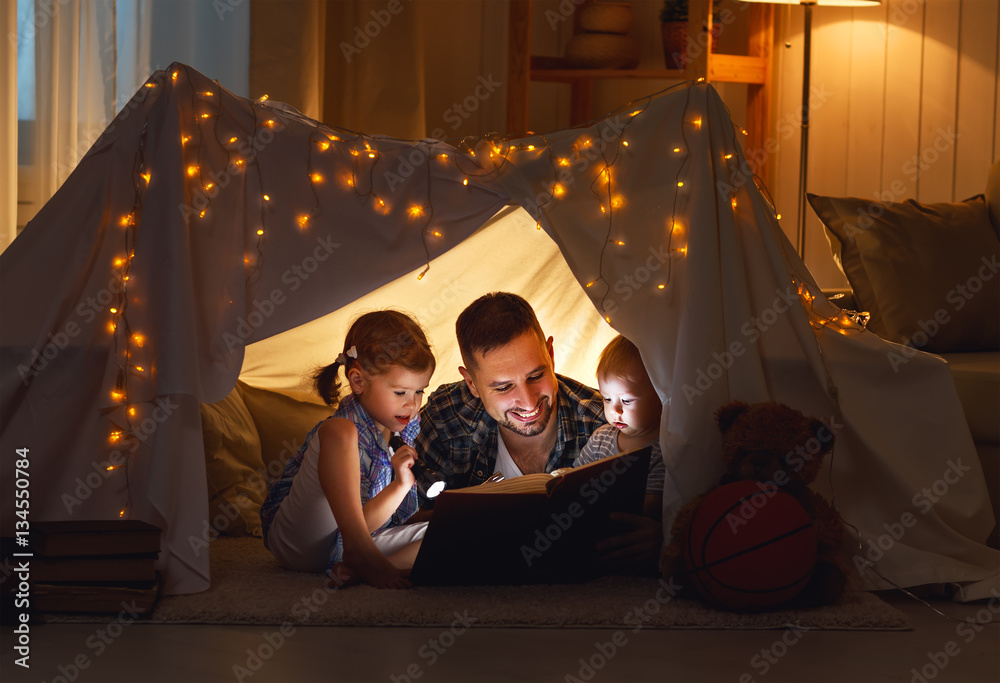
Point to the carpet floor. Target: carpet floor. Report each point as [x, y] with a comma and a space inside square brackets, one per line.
[249, 587]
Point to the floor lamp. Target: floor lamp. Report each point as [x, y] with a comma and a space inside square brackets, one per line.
[800, 236]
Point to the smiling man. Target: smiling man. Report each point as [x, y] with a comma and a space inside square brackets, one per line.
[512, 413]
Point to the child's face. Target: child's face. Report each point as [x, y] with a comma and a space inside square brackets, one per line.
[632, 407]
[393, 397]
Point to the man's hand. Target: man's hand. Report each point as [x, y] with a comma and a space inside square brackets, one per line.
[636, 548]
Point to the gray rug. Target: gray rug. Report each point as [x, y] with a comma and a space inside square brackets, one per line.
[249, 587]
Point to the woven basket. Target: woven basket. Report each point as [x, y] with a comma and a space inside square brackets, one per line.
[605, 17]
[602, 51]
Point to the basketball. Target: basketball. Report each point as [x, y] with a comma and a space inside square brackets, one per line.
[749, 547]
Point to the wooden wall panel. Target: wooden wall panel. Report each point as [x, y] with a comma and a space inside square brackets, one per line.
[977, 84]
[866, 115]
[901, 99]
[830, 85]
[938, 102]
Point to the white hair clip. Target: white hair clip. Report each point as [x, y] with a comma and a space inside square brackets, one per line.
[351, 353]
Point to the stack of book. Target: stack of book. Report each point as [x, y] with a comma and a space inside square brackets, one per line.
[94, 566]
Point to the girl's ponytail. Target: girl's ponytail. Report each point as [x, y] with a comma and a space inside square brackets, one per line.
[328, 383]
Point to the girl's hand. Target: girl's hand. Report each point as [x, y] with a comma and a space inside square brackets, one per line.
[402, 461]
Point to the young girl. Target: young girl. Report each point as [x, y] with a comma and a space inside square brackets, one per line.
[314, 517]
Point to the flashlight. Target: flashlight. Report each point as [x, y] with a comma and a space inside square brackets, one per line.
[435, 481]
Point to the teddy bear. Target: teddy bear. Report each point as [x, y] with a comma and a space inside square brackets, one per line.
[772, 443]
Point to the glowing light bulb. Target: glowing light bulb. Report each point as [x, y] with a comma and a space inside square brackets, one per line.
[269, 123]
[617, 201]
[424, 272]
[416, 211]
[303, 220]
[465, 181]
[734, 202]
[192, 170]
[437, 233]
[680, 183]
[323, 145]
[115, 436]
[117, 395]
[263, 98]
[267, 198]
[591, 283]
[146, 176]
[563, 161]
[240, 162]
[209, 186]
[354, 152]
[558, 190]
[538, 225]
[151, 85]
[728, 156]
[121, 513]
[206, 116]
[260, 232]
[697, 122]
[625, 143]
[208, 93]
[109, 468]
[131, 412]
[126, 220]
[185, 139]
[316, 177]
[119, 262]
[113, 310]
[371, 155]
[201, 214]
[607, 319]
[443, 156]
[138, 339]
[661, 286]
[677, 150]
[139, 368]
[173, 76]
[636, 112]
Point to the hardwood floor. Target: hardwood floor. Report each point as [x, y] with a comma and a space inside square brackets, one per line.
[937, 649]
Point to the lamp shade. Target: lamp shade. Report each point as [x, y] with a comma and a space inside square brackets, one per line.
[824, 3]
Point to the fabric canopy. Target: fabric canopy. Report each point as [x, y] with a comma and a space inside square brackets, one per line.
[201, 222]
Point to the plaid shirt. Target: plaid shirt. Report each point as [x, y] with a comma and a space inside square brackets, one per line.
[376, 470]
[458, 438]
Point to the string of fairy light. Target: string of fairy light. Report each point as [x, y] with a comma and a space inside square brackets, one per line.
[474, 158]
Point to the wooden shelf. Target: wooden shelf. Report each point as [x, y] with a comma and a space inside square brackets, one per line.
[752, 69]
[730, 68]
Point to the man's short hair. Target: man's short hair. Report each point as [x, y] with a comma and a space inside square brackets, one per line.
[493, 320]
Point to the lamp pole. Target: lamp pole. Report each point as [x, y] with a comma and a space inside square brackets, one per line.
[804, 144]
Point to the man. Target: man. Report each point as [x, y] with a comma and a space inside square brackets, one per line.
[513, 414]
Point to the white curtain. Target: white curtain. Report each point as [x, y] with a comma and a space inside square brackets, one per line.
[90, 57]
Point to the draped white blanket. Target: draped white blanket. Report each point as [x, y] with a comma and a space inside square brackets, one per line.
[680, 251]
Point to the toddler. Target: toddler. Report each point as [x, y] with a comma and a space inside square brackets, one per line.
[632, 409]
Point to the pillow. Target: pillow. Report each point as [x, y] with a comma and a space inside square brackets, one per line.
[926, 272]
[236, 486]
[993, 196]
[282, 419]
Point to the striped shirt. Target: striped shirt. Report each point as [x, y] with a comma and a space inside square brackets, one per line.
[604, 443]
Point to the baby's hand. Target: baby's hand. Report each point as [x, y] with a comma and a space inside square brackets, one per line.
[402, 462]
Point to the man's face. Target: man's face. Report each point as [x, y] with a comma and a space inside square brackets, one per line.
[516, 383]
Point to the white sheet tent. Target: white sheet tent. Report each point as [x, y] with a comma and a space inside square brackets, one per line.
[201, 221]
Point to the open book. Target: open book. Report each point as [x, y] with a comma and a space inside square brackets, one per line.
[538, 528]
